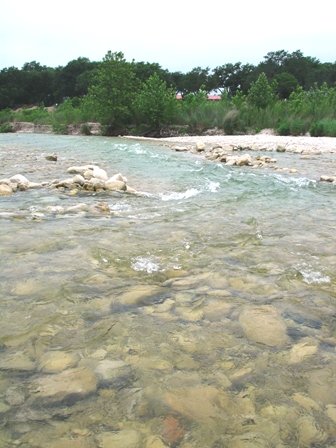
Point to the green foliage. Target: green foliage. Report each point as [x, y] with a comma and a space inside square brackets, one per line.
[155, 104]
[239, 100]
[112, 92]
[283, 128]
[298, 127]
[261, 93]
[6, 128]
[60, 128]
[68, 112]
[285, 84]
[287, 91]
[324, 127]
[36, 115]
[6, 115]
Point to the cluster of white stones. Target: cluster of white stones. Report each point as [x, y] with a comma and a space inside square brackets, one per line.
[93, 178]
[87, 177]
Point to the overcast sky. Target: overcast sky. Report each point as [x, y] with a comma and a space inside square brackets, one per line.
[178, 34]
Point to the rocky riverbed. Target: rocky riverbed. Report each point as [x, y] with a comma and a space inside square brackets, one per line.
[197, 311]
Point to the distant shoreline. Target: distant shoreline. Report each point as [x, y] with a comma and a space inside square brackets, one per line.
[264, 141]
[257, 142]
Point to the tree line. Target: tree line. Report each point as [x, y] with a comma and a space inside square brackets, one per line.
[287, 91]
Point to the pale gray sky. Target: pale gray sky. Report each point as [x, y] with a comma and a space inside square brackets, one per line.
[178, 34]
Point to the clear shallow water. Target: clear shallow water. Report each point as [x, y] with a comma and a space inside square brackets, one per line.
[200, 313]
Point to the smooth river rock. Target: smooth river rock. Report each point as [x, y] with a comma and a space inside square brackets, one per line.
[5, 190]
[113, 373]
[69, 385]
[127, 438]
[140, 294]
[264, 324]
[57, 361]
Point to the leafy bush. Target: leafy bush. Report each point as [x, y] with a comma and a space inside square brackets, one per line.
[5, 128]
[37, 115]
[6, 115]
[60, 128]
[155, 103]
[283, 128]
[261, 93]
[322, 128]
[298, 127]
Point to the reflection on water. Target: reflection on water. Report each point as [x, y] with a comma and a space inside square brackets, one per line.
[200, 313]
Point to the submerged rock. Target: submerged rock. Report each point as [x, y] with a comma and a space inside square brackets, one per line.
[140, 294]
[127, 438]
[172, 430]
[322, 385]
[57, 361]
[17, 362]
[309, 432]
[113, 373]
[264, 325]
[304, 349]
[201, 403]
[69, 386]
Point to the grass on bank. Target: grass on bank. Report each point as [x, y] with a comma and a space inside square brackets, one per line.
[312, 112]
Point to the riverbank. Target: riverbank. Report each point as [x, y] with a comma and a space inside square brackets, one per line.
[258, 142]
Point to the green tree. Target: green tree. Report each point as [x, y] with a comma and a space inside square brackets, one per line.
[155, 103]
[261, 93]
[285, 84]
[112, 92]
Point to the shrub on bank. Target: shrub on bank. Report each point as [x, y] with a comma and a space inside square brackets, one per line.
[5, 128]
[38, 115]
[326, 127]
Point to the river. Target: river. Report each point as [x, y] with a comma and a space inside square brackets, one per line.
[197, 313]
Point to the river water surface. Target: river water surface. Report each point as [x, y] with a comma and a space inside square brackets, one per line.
[198, 313]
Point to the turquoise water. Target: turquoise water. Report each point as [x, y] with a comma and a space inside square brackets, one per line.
[197, 313]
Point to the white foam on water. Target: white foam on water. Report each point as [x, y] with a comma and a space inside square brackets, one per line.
[300, 182]
[311, 276]
[315, 277]
[212, 186]
[146, 264]
[177, 196]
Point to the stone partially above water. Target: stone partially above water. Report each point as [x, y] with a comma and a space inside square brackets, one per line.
[264, 325]
[86, 177]
[5, 190]
[69, 386]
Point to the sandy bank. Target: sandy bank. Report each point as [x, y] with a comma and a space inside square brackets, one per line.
[258, 142]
